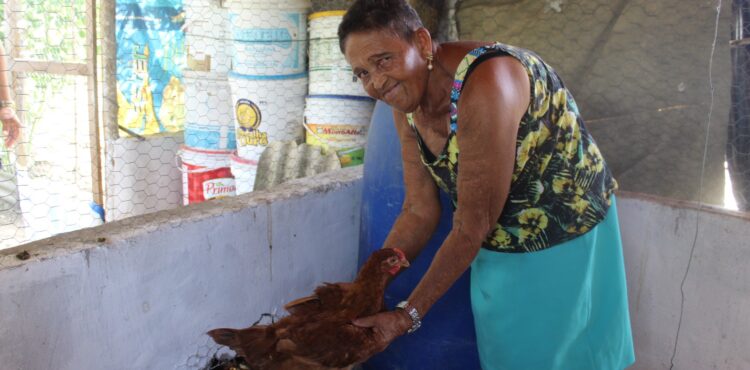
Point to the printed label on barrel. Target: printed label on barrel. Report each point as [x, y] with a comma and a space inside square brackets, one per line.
[269, 42]
[218, 188]
[249, 119]
[336, 135]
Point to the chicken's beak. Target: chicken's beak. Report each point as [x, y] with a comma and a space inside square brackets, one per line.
[403, 262]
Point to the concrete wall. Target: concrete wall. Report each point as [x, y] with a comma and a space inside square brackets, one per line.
[139, 293]
[658, 237]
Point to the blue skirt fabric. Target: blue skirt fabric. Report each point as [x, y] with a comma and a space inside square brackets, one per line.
[564, 307]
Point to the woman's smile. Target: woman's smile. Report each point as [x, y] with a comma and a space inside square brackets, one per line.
[390, 93]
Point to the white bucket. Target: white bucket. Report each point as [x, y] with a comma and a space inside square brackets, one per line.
[268, 38]
[337, 122]
[207, 36]
[209, 121]
[206, 174]
[266, 110]
[330, 73]
[244, 171]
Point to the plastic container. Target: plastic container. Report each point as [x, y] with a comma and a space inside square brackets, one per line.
[209, 121]
[206, 174]
[268, 38]
[244, 171]
[330, 73]
[446, 340]
[266, 110]
[207, 36]
[337, 121]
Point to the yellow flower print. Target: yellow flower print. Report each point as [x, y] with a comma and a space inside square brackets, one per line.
[524, 235]
[560, 99]
[542, 134]
[579, 205]
[570, 135]
[499, 237]
[563, 185]
[522, 154]
[544, 163]
[533, 221]
[593, 160]
[578, 229]
[541, 100]
[568, 121]
[453, 150]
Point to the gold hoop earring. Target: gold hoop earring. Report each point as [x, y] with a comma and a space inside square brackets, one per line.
[429, 62]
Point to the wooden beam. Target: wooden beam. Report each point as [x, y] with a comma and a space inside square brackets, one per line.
[56, 68]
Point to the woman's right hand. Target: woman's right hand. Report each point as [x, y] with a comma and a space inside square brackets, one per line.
[11, 126]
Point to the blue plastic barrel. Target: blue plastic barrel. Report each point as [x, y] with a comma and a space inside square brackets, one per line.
[446, 339]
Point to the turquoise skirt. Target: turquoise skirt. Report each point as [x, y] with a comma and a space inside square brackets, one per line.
[564, 307]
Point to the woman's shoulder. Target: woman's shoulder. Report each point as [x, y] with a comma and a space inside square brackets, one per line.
[454, 54]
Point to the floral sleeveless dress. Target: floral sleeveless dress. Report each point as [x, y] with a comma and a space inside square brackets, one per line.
[560, 187]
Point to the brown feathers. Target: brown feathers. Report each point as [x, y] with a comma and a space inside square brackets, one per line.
[318, 333]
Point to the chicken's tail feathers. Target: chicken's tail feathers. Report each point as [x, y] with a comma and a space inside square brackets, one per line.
[225, 337]
[253, 342]
[303, 305]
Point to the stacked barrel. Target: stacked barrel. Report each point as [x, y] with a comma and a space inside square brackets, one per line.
[210, 139]
[268, 80]
[337, 109]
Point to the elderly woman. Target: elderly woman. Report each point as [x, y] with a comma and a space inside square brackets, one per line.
[534, 211]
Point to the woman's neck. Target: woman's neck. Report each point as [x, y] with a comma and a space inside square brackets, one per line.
[436, 99]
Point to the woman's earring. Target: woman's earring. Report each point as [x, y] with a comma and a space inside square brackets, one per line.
[429, 62]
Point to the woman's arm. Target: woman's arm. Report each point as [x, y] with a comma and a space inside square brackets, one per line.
[11, 124]
[494, 99]
[420, 212]
[491, 107]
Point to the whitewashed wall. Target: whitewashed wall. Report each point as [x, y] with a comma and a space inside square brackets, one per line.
[140, 293]
[715, 330]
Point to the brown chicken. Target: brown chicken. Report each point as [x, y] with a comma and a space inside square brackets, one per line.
[318, 333]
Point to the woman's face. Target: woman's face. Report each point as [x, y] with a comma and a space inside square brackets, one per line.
[390, 68]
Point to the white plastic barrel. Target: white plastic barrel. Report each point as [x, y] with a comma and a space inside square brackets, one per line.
[207, 36]
[209, 120]
[330, 73]
[339, 123]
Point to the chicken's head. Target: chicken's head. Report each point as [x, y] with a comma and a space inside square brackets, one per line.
[394, 260]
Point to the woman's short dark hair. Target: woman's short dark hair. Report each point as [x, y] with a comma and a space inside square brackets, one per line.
[372, 15]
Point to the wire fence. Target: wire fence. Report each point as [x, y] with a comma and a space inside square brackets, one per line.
[112, 95]
[639, 71]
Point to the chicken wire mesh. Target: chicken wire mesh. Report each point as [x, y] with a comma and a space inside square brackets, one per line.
[640, 73]
[160, 102]
[48, 179]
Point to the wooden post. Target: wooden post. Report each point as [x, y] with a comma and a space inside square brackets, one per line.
[95, 140]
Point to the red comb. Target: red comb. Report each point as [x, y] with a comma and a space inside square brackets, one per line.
[394, 270]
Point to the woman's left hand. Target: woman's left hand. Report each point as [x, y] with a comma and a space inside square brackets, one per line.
[386, 326]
